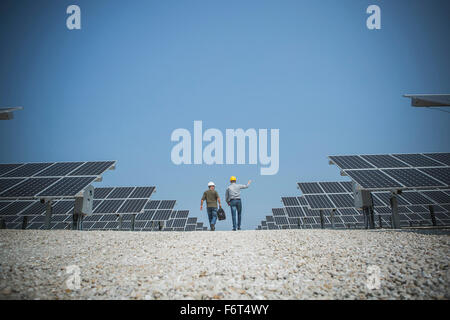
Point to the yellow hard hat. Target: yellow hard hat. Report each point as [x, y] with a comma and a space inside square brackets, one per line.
[233, 178]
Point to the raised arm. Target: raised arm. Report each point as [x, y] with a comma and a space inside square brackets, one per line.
[245, 186]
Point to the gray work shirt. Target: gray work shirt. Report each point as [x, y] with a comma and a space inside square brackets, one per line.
[234, 191]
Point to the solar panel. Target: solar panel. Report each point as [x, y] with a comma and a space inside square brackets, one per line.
[132, 206]
[182, 213]
[348, 186]
[290, 201]
[59, 169]
[397, 171]
[93, 168]
[152, 204]
[384, 199]
[384, 161]
[281, 220]
[443, 158]
[350, 162]
[332, 187]
[318, 201]
[120, 192]
[5, 184]
[109, 206]
[372, 179]
[412, 178]
[302, 201]
[28, 188]
[192, 220]
[67, 187]
[167, 204]
[142, 192]
[437, 196]
[272, 226]
[63, 207]
[108, 218]
[309, 187]
[270, 219]
[440, 174]
[278, 212]
[102, 193]
[7, 167]
[190, 227]
[417, 160]
[146, 215]
[343, 200]
[15, 207]
[27, 170]
[161, 215]
[414, 197]
[179, 223]
[294, 212]
[4, 204]
[121, 200]
[49, 179]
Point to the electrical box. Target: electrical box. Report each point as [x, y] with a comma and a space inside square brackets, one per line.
[83, 205]
[363, 198]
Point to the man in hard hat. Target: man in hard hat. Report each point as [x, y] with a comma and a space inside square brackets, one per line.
[212, 198]
[233, 198]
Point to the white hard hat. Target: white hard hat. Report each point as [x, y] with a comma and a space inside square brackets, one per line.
[211, 184]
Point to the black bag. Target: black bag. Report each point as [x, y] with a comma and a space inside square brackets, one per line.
[221, 214]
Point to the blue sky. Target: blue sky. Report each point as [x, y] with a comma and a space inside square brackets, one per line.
[137, 70]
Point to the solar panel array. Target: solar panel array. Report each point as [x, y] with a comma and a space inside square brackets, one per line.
[107, 205]
[49, 179]
[303, 213]
[396, 171]
[113, 207]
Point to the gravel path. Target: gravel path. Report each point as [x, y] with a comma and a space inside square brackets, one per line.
[278, 264]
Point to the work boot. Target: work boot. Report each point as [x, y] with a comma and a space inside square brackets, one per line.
[213, 227]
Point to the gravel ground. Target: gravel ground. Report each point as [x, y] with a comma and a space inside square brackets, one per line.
[278, 264]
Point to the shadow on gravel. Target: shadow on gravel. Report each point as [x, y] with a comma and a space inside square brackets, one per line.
[439, 232]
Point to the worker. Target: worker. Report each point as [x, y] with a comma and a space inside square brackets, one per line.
[212, 198]
[233, 199]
